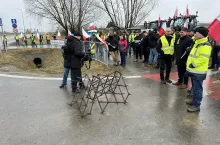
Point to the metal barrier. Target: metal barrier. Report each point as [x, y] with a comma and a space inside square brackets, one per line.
[101, 51]
[103, 89]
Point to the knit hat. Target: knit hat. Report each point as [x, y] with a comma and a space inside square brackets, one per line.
[202, 30]
[77, 34]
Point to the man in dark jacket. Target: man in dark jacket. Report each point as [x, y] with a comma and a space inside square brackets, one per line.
[180, 50]
[137, 45]
[145, 47]
[74, 59]
[153, 37]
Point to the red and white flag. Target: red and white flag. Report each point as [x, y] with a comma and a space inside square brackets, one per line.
[91, 26]
[85, 35]
[37, 37]
[22, 36]
[159, 21]
[162, 29]
[214, 29]
[100, 39]
[187, 12]
[176, 13]
[69, 33]
[59, 35]
[186, 24]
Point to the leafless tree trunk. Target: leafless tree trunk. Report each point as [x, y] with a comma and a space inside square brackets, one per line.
[69, 14]
[126, 13]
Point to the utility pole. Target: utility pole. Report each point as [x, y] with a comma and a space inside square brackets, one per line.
[22, 17]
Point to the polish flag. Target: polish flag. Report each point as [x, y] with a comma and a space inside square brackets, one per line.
[37, 37]
[22, 36]
[59, 35]
[100, 39]
[176, 13]
[85, 35]
[187, 12]
[162, 29]
[159, 21]
[214, 29]
[186, 24]
[69, 33]
[92, 26]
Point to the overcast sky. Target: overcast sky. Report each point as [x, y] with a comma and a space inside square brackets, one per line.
[208, 10]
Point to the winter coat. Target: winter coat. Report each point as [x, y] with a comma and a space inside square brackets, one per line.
[112, 43]
[75, 55]
[152, 39]
[122, 45]
[180, 49]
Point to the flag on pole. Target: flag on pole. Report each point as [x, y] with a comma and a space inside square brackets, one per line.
[159, 21]
[162, 29]
[214, 29]
[176, 13]
[186, 24]
[37, 37]
[91, 26]
[69, 33]
[187, 12]
[59, 35]
[100, 39]
[22, 36]
[85, 35]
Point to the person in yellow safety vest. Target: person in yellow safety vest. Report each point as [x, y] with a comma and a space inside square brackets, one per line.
[25, 40]
[5, 41]
[165, 49]
[48, 39]
[92, 48]
[17, 40]
[33, 40]
[131, 43]
[197, 66]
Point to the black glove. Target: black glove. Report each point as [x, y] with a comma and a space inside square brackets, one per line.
[191, 66]
[188, 49]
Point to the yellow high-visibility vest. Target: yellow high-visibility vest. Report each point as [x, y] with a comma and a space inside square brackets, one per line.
[17, 37]
[92, 48]
[199, 56]
[167, 49]
[5, 38]
[131, 38]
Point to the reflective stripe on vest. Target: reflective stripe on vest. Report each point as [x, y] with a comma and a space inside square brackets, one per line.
[197, 55]
[167, 49]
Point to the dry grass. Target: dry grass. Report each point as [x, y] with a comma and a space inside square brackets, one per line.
[52, 64]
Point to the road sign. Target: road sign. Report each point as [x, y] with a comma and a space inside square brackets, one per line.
[1, 22]
[15, 30]
[14, 26]
[13, 21]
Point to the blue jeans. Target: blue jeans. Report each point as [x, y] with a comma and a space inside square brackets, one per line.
[197, 82]
[153, 54]
[123, 57]
[65, 75]
[100, 49]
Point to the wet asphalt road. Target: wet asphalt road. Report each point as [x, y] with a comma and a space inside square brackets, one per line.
[36, 112]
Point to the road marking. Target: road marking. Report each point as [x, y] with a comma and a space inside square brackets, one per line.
[50, 78]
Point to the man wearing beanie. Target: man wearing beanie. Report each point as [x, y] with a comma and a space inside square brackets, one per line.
[183, 42]
[197, 66]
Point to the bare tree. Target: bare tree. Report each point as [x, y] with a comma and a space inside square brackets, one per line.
[69, 14]
[126, 13]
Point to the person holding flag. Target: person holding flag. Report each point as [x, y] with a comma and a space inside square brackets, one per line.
[33, 40]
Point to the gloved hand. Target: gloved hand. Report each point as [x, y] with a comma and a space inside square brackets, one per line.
[191, 66]
[188, 49]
